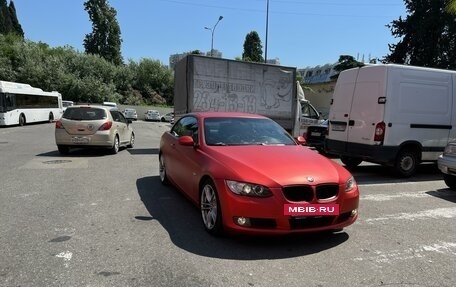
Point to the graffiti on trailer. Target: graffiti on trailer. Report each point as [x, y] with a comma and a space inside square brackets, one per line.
[224, 97]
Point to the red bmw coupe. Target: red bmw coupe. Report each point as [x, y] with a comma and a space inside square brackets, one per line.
[248, 175]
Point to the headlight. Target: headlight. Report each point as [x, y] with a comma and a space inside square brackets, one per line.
[350, 184]
[450, 149]
[248, 189]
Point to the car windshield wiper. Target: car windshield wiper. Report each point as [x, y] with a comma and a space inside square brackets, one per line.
[219, 144]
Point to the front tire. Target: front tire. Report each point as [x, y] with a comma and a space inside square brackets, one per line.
[406, 163]
[450, 181]
[115, 147]
[350, 162]
[210, 209]
[132, 141]
[162, 170]
[22, 120]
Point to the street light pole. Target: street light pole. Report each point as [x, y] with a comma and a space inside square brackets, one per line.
[212, 32]
[267, 24]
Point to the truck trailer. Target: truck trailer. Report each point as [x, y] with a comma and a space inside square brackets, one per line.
[214, 84]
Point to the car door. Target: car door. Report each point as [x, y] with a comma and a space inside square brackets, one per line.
[182, 161]
[121, 125]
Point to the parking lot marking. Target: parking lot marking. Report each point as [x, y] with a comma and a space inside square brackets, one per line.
[421, 251]
[449, 212]
[386, 197]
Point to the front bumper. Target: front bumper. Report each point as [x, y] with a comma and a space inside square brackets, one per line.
[266, 215]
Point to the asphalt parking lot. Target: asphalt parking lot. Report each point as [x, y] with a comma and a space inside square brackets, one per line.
[94, 219]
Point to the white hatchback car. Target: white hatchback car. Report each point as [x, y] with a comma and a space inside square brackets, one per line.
[93, 126]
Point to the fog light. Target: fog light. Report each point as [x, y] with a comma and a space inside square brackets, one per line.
[242, 221]
[354, 212]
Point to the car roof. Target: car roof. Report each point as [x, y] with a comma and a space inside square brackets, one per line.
[109, 108]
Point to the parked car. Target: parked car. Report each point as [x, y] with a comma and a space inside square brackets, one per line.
[93, 126]
[152, 115]
[169, 117]
[130, 114]
[243, 171]
[316, 135]
[66, 104]
[447, 165]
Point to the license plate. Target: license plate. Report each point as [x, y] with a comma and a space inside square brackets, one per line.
[339, 128]
[80, 140]
[315, 134]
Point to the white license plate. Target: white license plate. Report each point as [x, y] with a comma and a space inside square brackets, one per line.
[80, 140]
[315, 134]
[339, 128]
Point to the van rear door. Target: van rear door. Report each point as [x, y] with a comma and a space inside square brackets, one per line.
[368, 107]
[341, 106]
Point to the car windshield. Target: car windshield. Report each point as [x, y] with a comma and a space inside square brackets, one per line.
[84, 114]
[245, 131]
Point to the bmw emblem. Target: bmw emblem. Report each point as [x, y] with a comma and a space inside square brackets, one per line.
[310, 179]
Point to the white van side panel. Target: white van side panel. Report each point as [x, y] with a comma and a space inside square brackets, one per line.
[421, 109]
[366, 111]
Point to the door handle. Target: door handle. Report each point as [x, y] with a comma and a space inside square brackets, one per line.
[351, 122]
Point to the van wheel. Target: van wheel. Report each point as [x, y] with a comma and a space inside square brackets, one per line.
[22, 120]
[350, 162]
[406, 163]
[450, 181]
[51, 117]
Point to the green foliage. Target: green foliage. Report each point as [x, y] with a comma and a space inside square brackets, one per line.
[252, 48]
[105, 39]
[427, 35]
[83, 77]
[347, 62]
[16, 27]
[8, 19]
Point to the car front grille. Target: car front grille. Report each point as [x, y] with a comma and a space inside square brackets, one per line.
[307, 193]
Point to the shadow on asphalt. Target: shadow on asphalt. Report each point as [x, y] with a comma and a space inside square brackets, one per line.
[182, 221]
[444, 193]
[140, 151]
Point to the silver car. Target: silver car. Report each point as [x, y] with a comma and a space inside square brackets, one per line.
[447, 165]
[152, 115]
[93, 126]
[131, 114]
[169, 117]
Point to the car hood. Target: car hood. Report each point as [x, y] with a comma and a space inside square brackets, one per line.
[282, 165]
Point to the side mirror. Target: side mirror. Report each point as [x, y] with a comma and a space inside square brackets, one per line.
[129, 121]
[186, 141]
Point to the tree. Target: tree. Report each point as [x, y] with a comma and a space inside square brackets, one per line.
[252, 48]
[105, 39]
[428, 35]
[16, 27]
[345, 62]
[6, 26]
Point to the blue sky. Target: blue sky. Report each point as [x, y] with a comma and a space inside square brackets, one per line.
[301, 33]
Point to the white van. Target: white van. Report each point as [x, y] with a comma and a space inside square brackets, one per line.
[393, 115]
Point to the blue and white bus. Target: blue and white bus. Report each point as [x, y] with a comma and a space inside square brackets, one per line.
[21, 104]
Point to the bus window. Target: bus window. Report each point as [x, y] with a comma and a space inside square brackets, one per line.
[9, 101]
